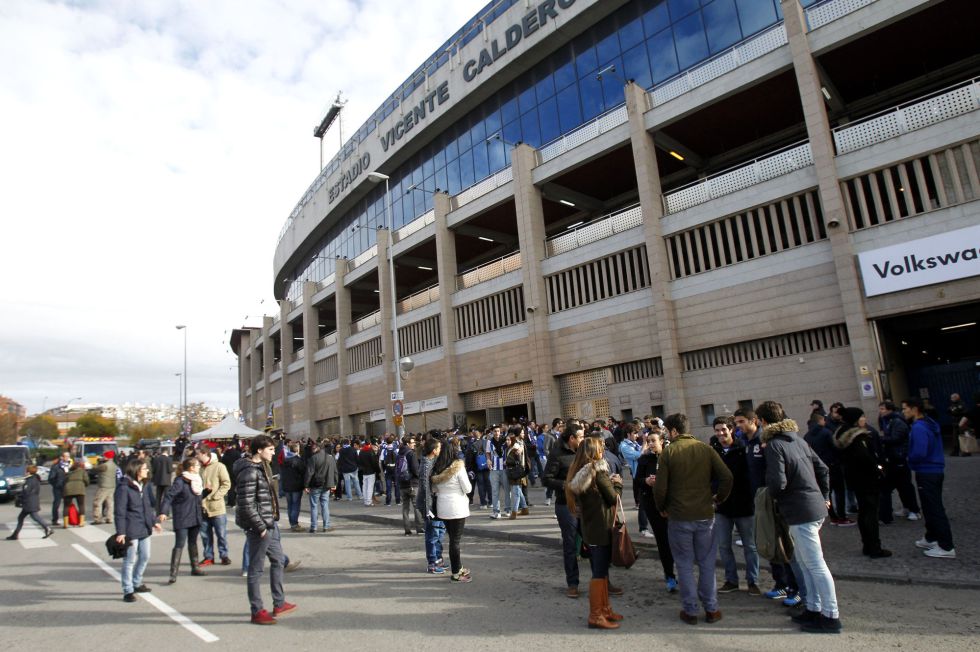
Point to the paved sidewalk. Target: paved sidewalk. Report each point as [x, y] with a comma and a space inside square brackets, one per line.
[842, 546]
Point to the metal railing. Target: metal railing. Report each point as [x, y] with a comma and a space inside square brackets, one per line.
[827, 12]
[363, 257]
[916, 114]
[415, 225]
[488, 271]
[366, 322]
[592, 129]
[723, 62]
[417, 300]
[737, 178]
[327, 280]
[276, 366]
[484, 186]
[598, 229]
[328, 339]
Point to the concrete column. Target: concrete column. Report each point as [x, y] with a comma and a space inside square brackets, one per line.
[267, 358]
[661, 315]
[254, 338]
[864, 356]
[286, 356]
[311, 341]
[531, 235]
[342, 303]
[446, 266]
[387, 322]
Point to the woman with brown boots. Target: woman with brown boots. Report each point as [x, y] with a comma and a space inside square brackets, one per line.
[591, 493]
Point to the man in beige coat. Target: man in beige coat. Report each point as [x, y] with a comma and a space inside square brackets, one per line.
[217, 482]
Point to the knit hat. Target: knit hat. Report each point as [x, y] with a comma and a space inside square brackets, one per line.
[850, 415]
[109, 455]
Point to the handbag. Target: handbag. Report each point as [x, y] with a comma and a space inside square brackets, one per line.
[968, 443]
[623, 551]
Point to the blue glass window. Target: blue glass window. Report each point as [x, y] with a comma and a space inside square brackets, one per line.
[478, 134]
[466, 173]
[565, 75]
[681, 8]
[497, 154]
[612, 85]
[689, 38]
[755, 15]
[721, 22]
[607, 49]
[657, 19]
[452, 174]
[636, 66]
[530, 128]
[526, 100]
[452, 151]
[631, 33]
[481, 161]
[545, 87]
[512, 134]
[569, 110]
[663, 58]
[492, 123]
[548, 117]
[509, 111]
[592, 101]
[585, 60]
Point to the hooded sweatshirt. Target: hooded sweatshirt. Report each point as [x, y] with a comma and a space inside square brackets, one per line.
[926, 447]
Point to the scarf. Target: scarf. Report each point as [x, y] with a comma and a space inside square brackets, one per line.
[197, 486]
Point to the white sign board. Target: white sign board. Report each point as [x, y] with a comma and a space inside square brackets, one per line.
[398, 396]
[867, 389]
[926, 261]
[438, 403]
[413, 407]
[377, 415]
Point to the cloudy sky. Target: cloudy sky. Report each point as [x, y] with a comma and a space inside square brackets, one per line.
[151, 151]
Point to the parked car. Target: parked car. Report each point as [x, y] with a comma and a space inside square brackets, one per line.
[13, 470]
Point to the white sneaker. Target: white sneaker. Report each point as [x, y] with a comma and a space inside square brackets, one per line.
[547, 502]
[647, 534]
[244, 573]
[913, 516]
[496, 515]
[899, 513]
[738, 542]
[940, 553]
[926, 545]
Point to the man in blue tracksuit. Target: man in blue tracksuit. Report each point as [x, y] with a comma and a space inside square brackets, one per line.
[927, 461]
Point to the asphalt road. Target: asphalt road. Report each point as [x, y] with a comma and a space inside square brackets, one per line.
[364, 586]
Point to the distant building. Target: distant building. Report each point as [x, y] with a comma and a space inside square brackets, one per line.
[10, 406]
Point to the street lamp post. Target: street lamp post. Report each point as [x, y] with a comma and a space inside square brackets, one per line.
[180, 397]
[376, 177]
[184, 424]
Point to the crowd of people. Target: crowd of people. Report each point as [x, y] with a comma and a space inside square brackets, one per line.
[761, 483]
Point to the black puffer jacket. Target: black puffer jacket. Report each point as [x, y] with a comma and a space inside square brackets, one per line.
[291, 473]
[132, 510]
[556, 470]
[30, 497]
[258, 507]
[860, 462]
[741, 501]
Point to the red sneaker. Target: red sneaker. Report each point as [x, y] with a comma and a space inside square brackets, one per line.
[285, 608]
[263, 618]
[206, 562]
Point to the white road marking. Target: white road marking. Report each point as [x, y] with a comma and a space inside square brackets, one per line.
[90, 533]
[31, 536]
[161, 606]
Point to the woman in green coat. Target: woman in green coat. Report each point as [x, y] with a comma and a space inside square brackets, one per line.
[592, 493]
[75, 490]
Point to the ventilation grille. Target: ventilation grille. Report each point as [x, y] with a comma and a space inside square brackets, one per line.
[768, 229]
[325, 370]
[612, 276]
[937, 180]
[490, 313]
[808, 341]
[583, 384]
[365, 355]
[628, 372]
[496, 397]
[419, 336]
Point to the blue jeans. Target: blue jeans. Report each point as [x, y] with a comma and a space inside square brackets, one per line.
[517, 499]
[569, 530]
[391, 484]
[319, 497]
[821, 595]
[599, 559]
[351, 482]
[694, 542]
[434, 529]
[293, 501]
[259, 548]
[215, 527]
[746, 530]
[933, 512]
[483, 486]
[498, 490]
[134, 563]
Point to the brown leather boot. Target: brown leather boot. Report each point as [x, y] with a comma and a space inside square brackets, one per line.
[607, 611]
[513, 516]
[525, 512]
[598, 599]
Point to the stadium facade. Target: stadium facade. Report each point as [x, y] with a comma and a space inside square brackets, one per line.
[600, 207]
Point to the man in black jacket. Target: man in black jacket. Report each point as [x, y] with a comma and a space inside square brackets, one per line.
[292, 474]
[258, 514]
[347, 466]
[895, 460]
[57, 479]
[737, 511]
[162, 471]
[320, 480]
[555, 473]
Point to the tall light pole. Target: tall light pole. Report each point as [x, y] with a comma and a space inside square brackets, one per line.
[376, 177]
[184, 423]
[180, 398]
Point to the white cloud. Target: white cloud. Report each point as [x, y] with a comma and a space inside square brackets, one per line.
[151, 153]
